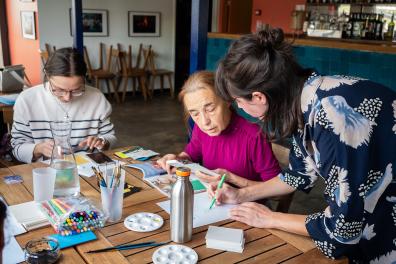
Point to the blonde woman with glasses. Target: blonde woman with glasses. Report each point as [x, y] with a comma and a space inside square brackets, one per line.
[62, 96]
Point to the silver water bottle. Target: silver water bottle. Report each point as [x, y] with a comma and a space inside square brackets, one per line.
[182, 205]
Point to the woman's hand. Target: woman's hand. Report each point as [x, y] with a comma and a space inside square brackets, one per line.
[253, 214]
[224, 195]
[206, 177]
[43, 149]
[94, 142]
[162, 162]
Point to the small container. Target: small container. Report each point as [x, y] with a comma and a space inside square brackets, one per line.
[42, 251]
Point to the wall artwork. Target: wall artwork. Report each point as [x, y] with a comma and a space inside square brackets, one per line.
[95, 23]
[144, 24]
[28, 24]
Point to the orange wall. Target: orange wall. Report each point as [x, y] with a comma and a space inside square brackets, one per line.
[23, 51]
[276, 13]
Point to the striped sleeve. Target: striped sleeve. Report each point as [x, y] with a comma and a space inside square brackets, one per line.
[106, 128]
[22, 141]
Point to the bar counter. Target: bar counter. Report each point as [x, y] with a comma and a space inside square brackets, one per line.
[373, 60]
[346, 44]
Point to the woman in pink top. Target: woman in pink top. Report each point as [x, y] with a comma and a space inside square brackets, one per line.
[222, 140]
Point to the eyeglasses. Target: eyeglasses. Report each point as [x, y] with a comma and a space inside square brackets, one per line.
[60, 92]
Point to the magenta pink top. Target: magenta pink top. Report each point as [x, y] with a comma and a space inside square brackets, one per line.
[241, 149]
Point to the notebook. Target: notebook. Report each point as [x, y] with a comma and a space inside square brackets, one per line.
[222, 238]
[137, 153]
[68, 241]
[159, 179]
[29, 215]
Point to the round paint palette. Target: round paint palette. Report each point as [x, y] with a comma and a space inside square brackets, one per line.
[177, 254]
[143, 222]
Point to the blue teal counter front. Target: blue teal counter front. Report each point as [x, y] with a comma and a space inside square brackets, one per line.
[376, 66]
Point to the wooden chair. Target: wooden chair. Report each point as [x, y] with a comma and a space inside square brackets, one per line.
[8, 117]
[154, 72]
[49, 49]
[282, 155]
[133, 73]
[103, 74]
[43, 56]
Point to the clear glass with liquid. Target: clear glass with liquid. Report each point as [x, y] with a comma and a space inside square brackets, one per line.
[67, 181]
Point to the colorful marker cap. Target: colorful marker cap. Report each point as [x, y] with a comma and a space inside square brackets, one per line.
[183, 171]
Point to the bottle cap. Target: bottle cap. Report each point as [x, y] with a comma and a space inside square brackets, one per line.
[183, 171]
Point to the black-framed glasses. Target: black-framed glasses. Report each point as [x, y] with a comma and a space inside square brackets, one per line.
[60, 92]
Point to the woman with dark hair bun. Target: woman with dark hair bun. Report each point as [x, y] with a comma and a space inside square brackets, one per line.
[63, 96]
[342, 129]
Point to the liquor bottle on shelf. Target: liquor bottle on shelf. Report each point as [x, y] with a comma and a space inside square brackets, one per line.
[391, 27]
[379, 26]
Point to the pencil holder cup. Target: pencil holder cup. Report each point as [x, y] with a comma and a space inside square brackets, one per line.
[112, 198]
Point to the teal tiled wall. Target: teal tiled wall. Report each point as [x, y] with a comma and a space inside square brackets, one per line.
[378, 67]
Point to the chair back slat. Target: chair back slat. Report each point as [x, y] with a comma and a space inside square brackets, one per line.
[88, 62]
[43, 56]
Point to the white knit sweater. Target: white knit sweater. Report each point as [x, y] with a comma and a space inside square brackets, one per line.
[36, 107]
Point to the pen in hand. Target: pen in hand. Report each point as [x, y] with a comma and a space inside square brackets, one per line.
[219, 185]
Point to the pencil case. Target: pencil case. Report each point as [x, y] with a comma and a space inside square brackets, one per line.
[72, 215]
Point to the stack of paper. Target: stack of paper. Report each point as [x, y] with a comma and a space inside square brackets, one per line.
[228, 239]
[29, 215]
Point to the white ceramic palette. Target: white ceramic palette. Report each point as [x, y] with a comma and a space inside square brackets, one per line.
[175, 254]
[143, 222]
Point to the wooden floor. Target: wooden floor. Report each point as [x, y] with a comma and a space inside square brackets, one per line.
[261, 246]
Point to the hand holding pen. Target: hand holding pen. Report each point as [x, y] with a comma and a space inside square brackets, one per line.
[226, 194]
[219, 185]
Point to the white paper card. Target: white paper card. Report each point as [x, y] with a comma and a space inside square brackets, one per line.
[225, 235]
[202, 214]
[12, 252]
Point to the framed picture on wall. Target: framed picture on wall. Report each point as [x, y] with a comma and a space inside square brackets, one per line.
[28, 24]
[144, 24]
[95, 23]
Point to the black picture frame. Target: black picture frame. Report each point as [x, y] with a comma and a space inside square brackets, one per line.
[144, 24]
[95, 22]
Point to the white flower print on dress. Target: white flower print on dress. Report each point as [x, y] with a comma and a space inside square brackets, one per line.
[310, 170]
[342, 192]
[368, 232]
[392, 199]
[331, 82]
[353, 128]
[377, 190]
[308, 94]
[337, 186]
[387, 258]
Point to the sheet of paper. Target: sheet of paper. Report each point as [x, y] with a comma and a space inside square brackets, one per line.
[12, 252]
[81, 159]
[202, 214]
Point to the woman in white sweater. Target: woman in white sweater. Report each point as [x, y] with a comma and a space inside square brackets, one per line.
[62, 96]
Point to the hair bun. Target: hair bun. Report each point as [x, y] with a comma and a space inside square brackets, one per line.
[271, 37]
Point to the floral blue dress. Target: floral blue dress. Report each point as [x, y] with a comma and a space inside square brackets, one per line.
[349, 140]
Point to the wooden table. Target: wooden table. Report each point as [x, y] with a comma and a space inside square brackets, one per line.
[261, 246]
